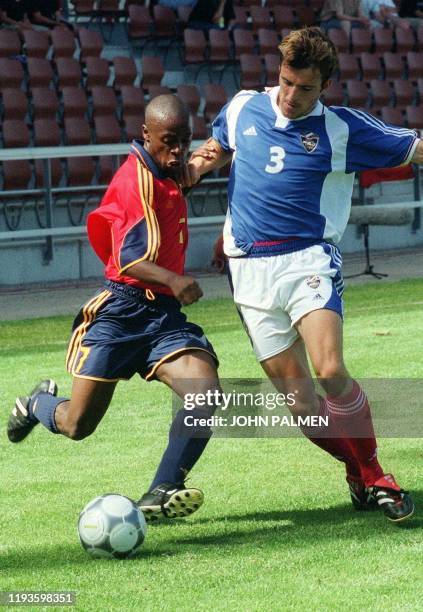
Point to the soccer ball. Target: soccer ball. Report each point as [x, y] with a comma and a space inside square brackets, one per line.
[111, 527]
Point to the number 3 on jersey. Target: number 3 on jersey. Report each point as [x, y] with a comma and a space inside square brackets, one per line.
[277, 155]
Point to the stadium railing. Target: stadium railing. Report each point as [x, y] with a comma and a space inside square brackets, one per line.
[49, 228]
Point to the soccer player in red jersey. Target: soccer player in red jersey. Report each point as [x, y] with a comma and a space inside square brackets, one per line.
[135, 324]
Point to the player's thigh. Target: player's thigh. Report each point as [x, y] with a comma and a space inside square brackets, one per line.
[322, 333]
[192, 371]
[270, 330]
[89, 402]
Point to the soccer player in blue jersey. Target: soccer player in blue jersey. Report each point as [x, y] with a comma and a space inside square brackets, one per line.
[134, 324]
[290, 187]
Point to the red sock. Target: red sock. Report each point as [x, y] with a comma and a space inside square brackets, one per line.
[336, 446]
[351, 414]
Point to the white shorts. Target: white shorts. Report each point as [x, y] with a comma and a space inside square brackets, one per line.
[273, 293]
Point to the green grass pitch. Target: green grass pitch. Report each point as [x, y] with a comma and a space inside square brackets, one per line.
[277, 530]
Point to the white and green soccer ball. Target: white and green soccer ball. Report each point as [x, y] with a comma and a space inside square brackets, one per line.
[111, 527]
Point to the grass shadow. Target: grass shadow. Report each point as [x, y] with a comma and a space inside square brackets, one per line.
[291, 527]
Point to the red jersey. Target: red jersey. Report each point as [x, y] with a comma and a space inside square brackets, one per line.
[142, 217]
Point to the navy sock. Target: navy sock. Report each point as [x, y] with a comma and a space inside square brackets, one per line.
[42, 409]
[186, 445]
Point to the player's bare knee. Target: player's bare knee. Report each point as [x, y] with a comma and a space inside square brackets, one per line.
[331, 370]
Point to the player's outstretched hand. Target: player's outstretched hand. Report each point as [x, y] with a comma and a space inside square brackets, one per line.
[186, 289]
[209, 150]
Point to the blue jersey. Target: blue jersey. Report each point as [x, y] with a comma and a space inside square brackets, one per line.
[291, 181]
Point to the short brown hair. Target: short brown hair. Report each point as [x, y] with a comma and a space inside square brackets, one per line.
[310, 48]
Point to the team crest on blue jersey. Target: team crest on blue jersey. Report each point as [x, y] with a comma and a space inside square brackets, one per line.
[310, 141]
[313, 281]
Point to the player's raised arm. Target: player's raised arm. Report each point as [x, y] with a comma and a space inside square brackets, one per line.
[418, 153]
[207, 157]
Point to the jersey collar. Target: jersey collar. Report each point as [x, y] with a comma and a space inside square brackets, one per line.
[137, 149]
[281, 120]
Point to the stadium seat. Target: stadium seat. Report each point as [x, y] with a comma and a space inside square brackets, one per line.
[394, 66]
[305, 16]
[370, 66]
[271, 66]
[199, 128]
[405, 40]
[158, 90]
[357, 93]
[106, 169]
[16, 174]
[194, 46]
[384, 40]
[15, 103]
[190, 95]
[10, 43]
[260, 17]
[243, 43]
[414, 117]
[69, 73]
[133, 126]
[381, 94]
[56, 172]
[268, 41]
[283, 17]
[334, 95]
[361, 40]
[40, 72]
[77, 131]
[340, 39]
[63, 42]
[36, 43]
[125, 71]
[132, 100]
[107, 129]
[11, 73]
[215, 98]
[251, 71]
[404, 92]
[97, 69]
[103, 101]
[15, 133]
[83, 8]
[164, 20]
[80, 171]
[46, 133]
[415, 64]
[241, 17]
[140, 23]
[90, 43]
[393, 116]
[75, 102]
[152, 71]
[220, 49]
[44, 103]
[106, 8]
[348, 66]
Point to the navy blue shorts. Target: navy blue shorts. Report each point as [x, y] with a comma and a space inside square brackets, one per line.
[120, 332]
